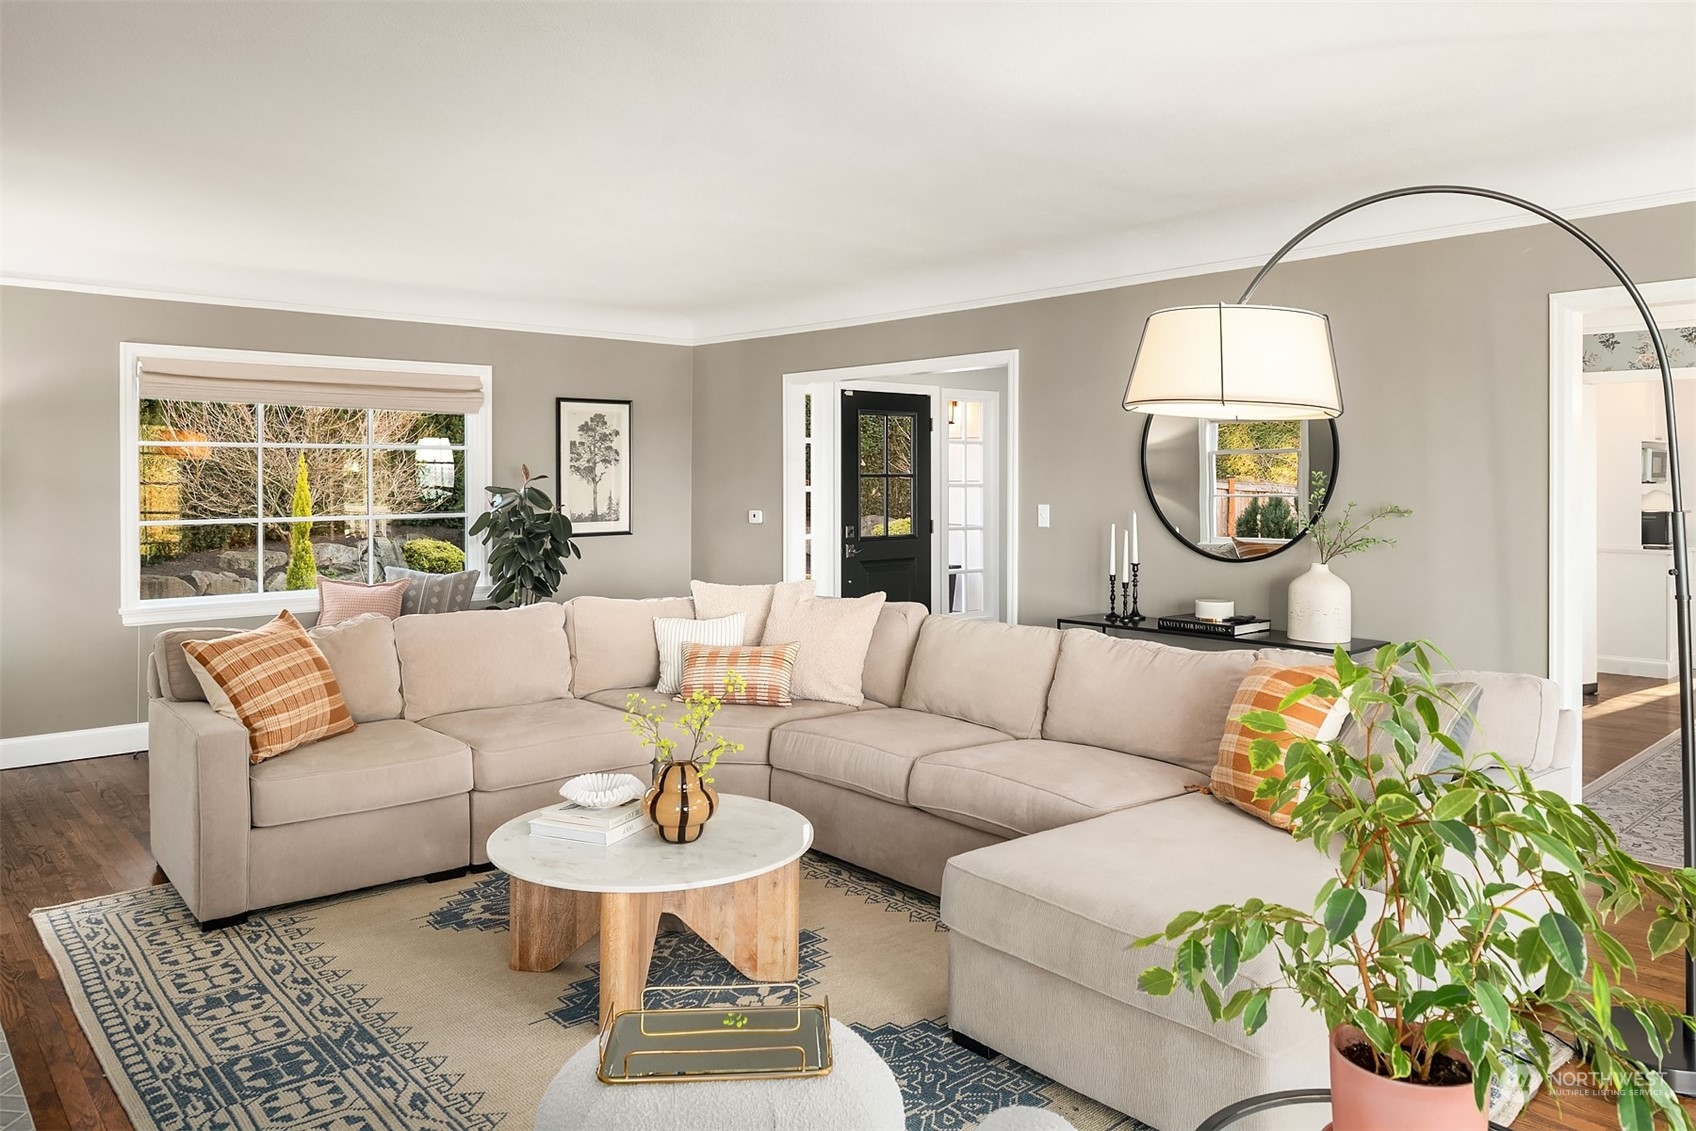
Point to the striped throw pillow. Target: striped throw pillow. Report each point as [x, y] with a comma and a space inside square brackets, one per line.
[275, 682]
[1262, 689]
[434, 592]
[344, 600]
[765, 672]
[672, 633]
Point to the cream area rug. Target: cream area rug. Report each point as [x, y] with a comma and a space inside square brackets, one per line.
[394, 1010]
[1642, 798]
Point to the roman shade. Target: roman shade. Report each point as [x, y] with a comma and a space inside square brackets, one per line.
[244, 382]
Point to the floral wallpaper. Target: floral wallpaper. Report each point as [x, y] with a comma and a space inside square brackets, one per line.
[1614, 353]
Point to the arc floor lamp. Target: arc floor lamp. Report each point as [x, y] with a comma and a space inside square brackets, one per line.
[1236, 361]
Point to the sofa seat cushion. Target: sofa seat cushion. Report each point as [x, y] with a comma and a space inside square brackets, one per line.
[871, 752]
[542, 742]
[1071, 901]
[751, 726]
[382, 764]
[1029, 786]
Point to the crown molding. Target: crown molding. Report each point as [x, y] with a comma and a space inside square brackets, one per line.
[995, 283]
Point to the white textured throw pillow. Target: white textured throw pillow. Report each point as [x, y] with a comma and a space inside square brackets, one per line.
[672, 633]
[834, 634]
[752, 601]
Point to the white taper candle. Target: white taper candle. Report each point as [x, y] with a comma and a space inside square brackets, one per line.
[1112, 548]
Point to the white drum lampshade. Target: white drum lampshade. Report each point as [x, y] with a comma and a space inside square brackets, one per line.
[1234, 362]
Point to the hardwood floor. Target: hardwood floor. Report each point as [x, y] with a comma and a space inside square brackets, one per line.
[1627, 715]
[79, 829]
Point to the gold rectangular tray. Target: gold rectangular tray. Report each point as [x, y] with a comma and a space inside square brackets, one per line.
[742, 1043]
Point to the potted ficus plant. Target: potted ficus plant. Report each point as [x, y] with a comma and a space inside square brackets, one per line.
[529, 540]
[1468, 914]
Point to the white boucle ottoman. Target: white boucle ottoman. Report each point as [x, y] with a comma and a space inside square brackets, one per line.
[860, 1092]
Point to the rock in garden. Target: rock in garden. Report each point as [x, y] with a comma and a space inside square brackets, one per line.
[335, 554]
[241, 561]
[157, 587]
[218, 584]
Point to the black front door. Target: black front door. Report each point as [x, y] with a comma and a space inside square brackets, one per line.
[886, 491]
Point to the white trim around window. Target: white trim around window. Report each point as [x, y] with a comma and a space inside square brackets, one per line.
[479, 451]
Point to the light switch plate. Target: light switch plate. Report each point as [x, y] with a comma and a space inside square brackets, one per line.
[1042, 514]
[756, 517]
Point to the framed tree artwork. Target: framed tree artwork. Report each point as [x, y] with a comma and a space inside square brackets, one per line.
[593, 472]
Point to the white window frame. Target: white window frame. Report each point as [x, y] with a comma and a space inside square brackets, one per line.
[479, 451]
[990, 442]
[1210, 450]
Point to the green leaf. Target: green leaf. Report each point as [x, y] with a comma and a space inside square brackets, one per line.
[1634, 1112]
[1182, 922]
[1255, 937]
[1343, 913]
[1264, 722]
[1191, 965]
[1226, 952]
[1492, 1005]
[1455, 803]
[1565, 942]
[1157, 981]
[1666, 934]
[1459, 837]
[1211, 998]
[1254, 1013]
[1263, 754]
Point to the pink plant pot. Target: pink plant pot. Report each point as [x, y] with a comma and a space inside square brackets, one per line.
[1366, 1101]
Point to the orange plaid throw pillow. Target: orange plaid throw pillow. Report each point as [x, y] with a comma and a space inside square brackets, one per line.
[1234, 777]
[766, 673]
[276, 683]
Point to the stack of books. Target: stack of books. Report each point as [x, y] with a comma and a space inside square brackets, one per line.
[1245, 625]
[590, 826]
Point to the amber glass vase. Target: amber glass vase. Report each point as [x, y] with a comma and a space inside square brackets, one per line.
[680, 802]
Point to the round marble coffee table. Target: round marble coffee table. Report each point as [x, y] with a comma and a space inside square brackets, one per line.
[738, 887]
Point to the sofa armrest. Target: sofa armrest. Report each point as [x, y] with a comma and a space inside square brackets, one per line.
[198, 797]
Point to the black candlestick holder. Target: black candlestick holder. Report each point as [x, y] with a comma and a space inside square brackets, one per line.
[1112, 616]
[1133, 615]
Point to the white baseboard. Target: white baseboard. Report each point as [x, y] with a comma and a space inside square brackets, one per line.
[71, 745]
[1635, 665]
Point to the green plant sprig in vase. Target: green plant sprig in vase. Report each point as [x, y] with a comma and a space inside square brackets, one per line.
[682, 798]
[529, 541]
[1464, 908]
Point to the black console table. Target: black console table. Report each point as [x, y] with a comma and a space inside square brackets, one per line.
[1273, 639]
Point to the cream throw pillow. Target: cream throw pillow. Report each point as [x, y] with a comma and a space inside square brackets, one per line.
[834, 634]
[672, 633]
[752, 601]
[362, 655]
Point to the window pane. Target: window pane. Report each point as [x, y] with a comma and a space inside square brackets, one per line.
[293, 424]
[871, 442]
[339, 551]
[956, 506]
[423, 480]
[956, 549]
[335, 480]
[974, 592]
[956, 592]
[974, 420]
[198, 482]
[809, 510]
[186, 422]
[807, 413]
[394, 426]
[871, 507]
[956, 463]
[1265, 517]
[974, 506]
[900, 506]
[974, 463]
[429, 545]
[901, 444]
[1254, 472]
[956, 421]
[194, 561]
[974, 549]
[1247, 435]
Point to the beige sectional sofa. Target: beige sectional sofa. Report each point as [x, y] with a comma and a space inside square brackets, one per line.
[1040, 781]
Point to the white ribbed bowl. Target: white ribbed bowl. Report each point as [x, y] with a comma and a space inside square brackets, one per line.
[602, 791]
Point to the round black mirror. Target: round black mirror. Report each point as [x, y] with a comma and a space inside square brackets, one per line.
[1236, 490]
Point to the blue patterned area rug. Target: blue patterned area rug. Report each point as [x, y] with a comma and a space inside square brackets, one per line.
[394, 1010]
[1642, 798]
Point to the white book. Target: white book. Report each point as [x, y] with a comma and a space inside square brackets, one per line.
[588, 836]
[571, 816]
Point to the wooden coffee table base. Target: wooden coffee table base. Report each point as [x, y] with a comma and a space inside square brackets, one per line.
[754, 923]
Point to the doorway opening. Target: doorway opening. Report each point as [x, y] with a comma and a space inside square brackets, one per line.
[925, 515]
[1612, 630]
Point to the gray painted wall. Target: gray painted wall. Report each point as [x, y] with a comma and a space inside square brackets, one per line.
[66, 660]
[1443, 348]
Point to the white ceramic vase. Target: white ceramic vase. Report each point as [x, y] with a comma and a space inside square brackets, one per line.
[1320, 607]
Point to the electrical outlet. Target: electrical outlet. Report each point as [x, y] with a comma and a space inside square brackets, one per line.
[1042, 514]
[756, 517]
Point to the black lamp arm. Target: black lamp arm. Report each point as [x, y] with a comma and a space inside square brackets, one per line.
[1681, 582]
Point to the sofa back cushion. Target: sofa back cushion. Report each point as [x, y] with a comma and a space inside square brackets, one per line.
[752, 601]
[171, 668]
[1143, 698]
[835, 634]
[612, 640]
[362, 654]
[891, 652]
[1515, 715]
[483, 658]
[995, 675]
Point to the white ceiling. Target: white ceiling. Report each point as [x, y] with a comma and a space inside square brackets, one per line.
[693, 172]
